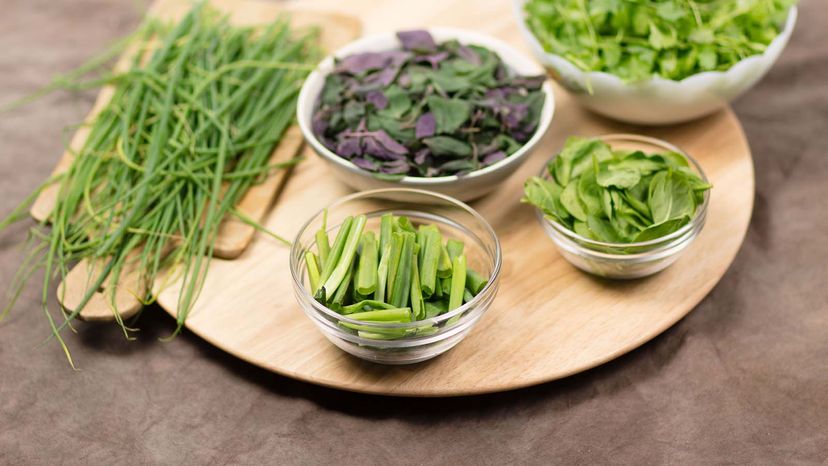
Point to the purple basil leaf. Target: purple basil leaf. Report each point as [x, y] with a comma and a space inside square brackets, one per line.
[422, 156]
[364, 164]
[373, 147]
[348, 147]
[531, 83]
[319, 123]
[426, 126]
[501, 73]
[404, 80]
[385, 77]
[466, 53]
[396, 167]
[433, 59]
[389, 143]
[514, 113]
[520, 135]
[493, 157]
[361, 62]
[377, 99]
[417, 40]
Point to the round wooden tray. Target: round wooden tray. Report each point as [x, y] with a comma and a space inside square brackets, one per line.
[548, 321]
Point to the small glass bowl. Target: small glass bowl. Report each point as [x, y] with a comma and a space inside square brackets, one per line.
[627, 260]
[455, 220]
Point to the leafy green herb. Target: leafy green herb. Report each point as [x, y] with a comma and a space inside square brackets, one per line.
[674, 39]
[617, 196]
[186, 133]
[445, 109]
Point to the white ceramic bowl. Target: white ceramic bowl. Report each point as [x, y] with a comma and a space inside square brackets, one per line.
[466, 187]
[657, 101]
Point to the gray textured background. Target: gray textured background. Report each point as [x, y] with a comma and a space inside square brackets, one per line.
[742, 379]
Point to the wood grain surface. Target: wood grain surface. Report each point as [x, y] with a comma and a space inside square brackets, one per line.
[233, 235]
[548, 321]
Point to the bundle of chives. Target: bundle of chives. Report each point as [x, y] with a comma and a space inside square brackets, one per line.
[184, 136]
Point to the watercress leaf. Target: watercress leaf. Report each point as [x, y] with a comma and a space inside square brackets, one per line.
[659, 39]
[670, 11]
[708, 59]
[449, 114]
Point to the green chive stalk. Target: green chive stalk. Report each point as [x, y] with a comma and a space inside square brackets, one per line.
[189, 129]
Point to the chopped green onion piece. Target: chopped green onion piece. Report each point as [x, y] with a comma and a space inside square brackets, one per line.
[401, 290]
[401, 314]
[313, 270]
[382, 273]
[366, 279]
[458, 282]
[346, 259]
[475, 282]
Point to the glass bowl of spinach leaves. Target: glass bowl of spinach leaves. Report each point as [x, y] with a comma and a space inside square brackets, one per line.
[656, 62]
[622, 205]
[446, 110]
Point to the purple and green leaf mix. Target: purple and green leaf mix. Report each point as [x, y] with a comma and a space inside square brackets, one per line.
[426, 110]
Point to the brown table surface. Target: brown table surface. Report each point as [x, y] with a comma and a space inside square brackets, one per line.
[742, 379]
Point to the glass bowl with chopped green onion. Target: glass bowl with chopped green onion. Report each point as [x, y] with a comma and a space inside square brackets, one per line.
[620, 206]
[396, 275]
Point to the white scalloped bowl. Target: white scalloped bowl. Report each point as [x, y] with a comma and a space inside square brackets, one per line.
[465, 188]
[657, 101]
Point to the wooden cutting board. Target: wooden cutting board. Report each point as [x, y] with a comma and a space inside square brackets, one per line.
[233, 235]
[548, 321]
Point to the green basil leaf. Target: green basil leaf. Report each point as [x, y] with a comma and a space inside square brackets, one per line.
[449, 114]
[398, 102]
[446, 145]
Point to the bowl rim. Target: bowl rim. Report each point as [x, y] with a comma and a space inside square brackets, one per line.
[520, 15]
[698, 217]
[297, 256]
[462, 35]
